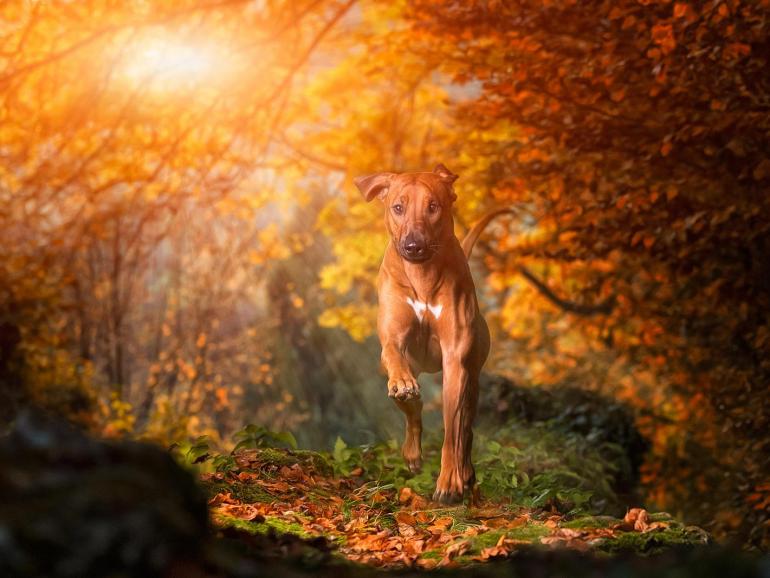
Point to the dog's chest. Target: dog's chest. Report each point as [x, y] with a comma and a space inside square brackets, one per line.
[423, 310]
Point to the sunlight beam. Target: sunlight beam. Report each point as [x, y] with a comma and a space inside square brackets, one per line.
[168, 64]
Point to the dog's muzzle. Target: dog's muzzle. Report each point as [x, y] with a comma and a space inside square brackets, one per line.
[414, 248]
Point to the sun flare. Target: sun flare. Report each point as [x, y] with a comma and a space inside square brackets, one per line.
[168, 63]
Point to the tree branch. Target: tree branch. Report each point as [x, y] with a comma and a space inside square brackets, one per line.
[603, 308]
[584, 310]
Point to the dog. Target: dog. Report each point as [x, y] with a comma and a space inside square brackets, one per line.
[428, 318]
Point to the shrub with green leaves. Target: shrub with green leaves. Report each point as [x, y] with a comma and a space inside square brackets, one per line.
[255, 436]
[528, 465]
[531, 465]
[202, 454]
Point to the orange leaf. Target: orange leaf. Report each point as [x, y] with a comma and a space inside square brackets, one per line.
[423, 517]
[648, 242]
[628, 22]
[419, 503]
[406, 530]
[457, 549]
[441, 525]
[663, 36]
[222, 498]
[405, 518]
[637, 517]
[240, 511]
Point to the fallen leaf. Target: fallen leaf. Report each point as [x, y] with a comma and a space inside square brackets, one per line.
[427, 563]
[379, 498]
[240, 511]
[458, 548]
[656, 526]
[406, 530]
[222, 498]
[419, 503]
[637, 518]
[453, 551]
[496, 522]
[440, 525]
[414, 547]
[405, 518]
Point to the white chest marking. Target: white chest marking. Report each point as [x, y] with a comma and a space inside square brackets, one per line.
[420, 308]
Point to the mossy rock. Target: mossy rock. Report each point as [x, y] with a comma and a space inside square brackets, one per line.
[531, 532]
[655, 542]
[267, 525]
[590, 522]
[271, 460]
[246, 493]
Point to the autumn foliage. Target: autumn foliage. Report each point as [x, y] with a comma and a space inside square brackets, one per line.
[182, 251]
[638, 142]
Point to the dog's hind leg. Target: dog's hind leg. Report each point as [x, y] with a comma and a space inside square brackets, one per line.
[412, 448]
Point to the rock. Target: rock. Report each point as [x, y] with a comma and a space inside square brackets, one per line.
[71, 505]
[597, 417]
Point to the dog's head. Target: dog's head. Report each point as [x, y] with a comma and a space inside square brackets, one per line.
[418, 209]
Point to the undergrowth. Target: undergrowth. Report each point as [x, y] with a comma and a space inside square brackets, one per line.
[525, 465]
[538, 485]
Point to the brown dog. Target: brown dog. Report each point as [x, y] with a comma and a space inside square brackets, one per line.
[429, 317]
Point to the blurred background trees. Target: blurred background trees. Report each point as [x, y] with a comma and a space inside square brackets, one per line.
[181, 251]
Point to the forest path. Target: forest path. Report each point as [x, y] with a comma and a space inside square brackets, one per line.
[296, 495]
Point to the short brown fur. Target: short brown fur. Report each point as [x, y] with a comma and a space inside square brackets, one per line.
[418, 208]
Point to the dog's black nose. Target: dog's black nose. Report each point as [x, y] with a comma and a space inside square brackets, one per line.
[414, 247]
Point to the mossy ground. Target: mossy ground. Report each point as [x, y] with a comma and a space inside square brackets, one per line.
[655, 542]
[246, 493]
[364, 501]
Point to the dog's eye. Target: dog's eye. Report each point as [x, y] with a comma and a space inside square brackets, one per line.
[398, 209]
[433, 207]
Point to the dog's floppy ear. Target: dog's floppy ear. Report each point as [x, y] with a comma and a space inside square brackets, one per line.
[448, 177]
[445, 173]
[375, 185]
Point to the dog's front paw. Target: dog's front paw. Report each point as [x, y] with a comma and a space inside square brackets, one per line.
[403, 388]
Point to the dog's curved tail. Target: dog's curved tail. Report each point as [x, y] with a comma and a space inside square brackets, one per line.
[473, 235]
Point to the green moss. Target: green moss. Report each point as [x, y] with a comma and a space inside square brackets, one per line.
[591, 522]
[486, 540]
[278, 458]
[654, 542]
[661, 517]
[271, 523]
[432, 555]
[246, 493]
[530, 532]
[284, 527]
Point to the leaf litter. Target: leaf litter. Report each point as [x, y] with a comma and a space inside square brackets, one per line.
[384, 526]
